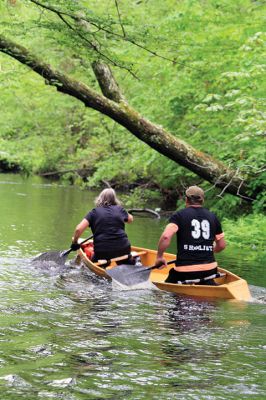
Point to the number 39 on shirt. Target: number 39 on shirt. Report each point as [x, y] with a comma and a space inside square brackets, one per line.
[200, 229]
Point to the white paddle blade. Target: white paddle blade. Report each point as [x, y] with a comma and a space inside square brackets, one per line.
[129, 275]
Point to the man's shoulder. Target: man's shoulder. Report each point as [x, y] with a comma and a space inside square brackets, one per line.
[207, 211]
[194, 210]
[178, 213]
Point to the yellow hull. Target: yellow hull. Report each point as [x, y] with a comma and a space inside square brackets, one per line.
[230, 286]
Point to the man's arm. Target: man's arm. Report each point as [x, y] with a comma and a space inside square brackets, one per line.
[220, 243]
[164, 242]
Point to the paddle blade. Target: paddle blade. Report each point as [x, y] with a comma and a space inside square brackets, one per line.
[51, 256]
[58, 257]
[129, 275]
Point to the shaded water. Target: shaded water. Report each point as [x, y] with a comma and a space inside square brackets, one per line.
[66, 334]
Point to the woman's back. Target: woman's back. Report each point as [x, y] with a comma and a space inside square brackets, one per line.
[107, 222]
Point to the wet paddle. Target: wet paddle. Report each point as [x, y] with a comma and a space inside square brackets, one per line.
[130, 275]
[58, 257]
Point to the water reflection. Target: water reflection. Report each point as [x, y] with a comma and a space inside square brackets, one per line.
[189, 313]
[109, 344]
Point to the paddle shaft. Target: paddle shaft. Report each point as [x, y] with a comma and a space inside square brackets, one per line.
[155, 266]
[103, 262]
[131, 275]
[65, 253]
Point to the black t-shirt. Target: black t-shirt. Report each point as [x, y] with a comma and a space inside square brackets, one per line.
[108, 227]
[197, 228]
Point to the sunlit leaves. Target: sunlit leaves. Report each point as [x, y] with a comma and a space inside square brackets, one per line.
[211, 94]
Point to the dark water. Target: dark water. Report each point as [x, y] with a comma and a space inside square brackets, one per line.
[66, 334]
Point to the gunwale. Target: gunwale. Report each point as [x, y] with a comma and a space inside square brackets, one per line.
[231, 286]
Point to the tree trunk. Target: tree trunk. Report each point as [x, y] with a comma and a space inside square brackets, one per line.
[118, 109]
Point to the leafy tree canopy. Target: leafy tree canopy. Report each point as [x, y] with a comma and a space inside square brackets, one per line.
[195, 67]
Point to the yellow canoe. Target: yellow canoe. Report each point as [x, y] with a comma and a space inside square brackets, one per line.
[230, 286]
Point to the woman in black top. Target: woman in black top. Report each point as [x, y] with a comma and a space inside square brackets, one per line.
[107, 222]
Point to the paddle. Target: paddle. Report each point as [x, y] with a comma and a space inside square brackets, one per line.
[208, 280]
[130, 275]
[58, 257]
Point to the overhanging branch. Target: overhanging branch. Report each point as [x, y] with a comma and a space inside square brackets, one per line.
[155, 136]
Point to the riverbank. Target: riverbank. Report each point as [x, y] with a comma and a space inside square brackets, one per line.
[243, 231]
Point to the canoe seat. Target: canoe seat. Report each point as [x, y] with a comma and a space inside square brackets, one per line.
[138, 253]
[202, 280]
[106, 263]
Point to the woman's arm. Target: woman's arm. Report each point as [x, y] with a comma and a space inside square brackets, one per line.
[129, 218]
[80, 228]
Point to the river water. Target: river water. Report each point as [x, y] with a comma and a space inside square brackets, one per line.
[66, 334]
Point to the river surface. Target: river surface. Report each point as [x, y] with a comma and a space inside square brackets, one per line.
[66, 334]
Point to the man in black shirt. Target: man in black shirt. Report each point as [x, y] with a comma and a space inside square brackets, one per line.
[199, 234]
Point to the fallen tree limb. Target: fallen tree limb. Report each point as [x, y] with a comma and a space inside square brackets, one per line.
[154, 135]
[144, 210]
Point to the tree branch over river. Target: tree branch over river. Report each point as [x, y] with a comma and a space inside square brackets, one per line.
[113, 104]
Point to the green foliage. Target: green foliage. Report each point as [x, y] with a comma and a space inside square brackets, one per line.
[141, 197]
[249, 232]
[210, 94]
